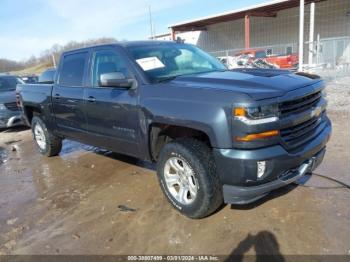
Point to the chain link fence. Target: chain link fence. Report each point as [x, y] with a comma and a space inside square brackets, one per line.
[331, 57]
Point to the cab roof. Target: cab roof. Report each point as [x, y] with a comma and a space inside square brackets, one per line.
[123, 44]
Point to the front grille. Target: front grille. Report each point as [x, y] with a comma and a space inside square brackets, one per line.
[12, 106]
[300, 104]
[300, 133]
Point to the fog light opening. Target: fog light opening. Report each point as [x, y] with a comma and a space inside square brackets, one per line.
[261, 167]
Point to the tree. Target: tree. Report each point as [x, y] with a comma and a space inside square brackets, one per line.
[45, 56]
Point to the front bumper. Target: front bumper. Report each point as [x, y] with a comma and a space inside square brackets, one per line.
[245, 195]
[237, 169]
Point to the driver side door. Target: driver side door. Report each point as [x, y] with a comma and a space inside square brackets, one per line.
[112, 112]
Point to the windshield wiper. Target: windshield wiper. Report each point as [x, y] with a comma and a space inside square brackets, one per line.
[165, 79]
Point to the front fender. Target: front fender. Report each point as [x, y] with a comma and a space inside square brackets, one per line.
[203, 109]
[209, 119]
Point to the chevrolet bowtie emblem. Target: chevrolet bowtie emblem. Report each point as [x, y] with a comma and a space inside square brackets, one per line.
[316, 112]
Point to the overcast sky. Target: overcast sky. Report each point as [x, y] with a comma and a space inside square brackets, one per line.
[27, 27]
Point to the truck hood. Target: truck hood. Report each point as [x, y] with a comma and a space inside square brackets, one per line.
[7, 96]
[257, 83]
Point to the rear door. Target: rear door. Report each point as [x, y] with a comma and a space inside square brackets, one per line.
[112, 112]
[68, 94]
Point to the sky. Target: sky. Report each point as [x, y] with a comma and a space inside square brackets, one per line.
[28, 27]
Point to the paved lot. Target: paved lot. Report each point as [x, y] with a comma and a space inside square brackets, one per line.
[87, 201]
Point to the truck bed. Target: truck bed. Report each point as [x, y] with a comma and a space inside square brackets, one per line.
[33, 94]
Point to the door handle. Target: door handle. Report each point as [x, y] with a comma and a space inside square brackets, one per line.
[91, 99]
[57, 96]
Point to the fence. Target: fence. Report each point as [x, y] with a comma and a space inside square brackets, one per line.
[334, 53]
[331, 53]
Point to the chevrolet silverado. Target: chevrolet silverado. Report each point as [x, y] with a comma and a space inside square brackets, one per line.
[217, 135]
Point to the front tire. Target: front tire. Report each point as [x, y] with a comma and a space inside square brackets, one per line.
[48, 144]
[187, 175]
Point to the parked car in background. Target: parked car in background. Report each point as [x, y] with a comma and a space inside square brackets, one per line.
[30, 79]
[229, 61]
[48, 76]
[10, 115]
[283, 61]
[217, 135]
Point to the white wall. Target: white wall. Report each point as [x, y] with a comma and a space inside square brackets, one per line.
[190, 37]
[163, 37]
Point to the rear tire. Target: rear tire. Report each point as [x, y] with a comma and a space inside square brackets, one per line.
[190, 163]
[48, 144]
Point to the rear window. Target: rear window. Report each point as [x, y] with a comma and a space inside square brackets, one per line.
[9, 83]
[72, 71]
[47, 77]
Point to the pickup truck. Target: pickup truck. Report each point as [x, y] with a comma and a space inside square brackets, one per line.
[217, 135]
[10, 114]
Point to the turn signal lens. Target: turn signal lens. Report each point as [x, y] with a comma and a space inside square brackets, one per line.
[253, 137]
[239, 111]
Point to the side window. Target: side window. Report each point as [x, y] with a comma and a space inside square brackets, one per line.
[47, 77]
[72, 71]
[107, 62]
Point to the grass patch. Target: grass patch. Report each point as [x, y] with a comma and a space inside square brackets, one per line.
[36, 70]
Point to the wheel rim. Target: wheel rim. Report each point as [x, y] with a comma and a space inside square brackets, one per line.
[180, 180]
[40, 136]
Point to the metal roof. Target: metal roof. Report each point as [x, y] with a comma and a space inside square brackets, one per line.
[265, 9]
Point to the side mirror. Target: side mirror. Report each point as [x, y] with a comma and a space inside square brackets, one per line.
[116, 79]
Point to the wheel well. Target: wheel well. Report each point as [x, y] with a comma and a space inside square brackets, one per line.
[31, 111]
[160, 134]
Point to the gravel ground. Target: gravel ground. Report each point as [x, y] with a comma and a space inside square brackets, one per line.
[338, 93]
[88, 201]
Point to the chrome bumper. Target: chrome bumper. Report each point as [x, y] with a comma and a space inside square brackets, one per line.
[11, 122]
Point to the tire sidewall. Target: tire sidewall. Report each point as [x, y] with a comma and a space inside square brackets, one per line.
[37, 121]
[179, 151]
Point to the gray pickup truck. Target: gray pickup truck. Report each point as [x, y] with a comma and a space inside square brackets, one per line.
[10, 114]
[217, 135]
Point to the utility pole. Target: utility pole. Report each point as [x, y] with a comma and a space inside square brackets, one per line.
[311, 34]
[150, 21]
[301, 35]
[53, 60]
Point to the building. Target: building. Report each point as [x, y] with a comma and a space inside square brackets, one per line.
[274, 26]
[190, 37]
[162, 36]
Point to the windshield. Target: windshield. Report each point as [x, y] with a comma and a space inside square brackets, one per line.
[165, 61]
[9, 83]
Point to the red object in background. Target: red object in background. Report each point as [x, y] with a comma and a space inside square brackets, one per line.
[18, 101]
[282, 61]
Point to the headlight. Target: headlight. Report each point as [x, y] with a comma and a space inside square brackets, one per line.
[257, 115]
[2, 107]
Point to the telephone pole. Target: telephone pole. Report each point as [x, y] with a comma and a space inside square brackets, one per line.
[151, 21]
